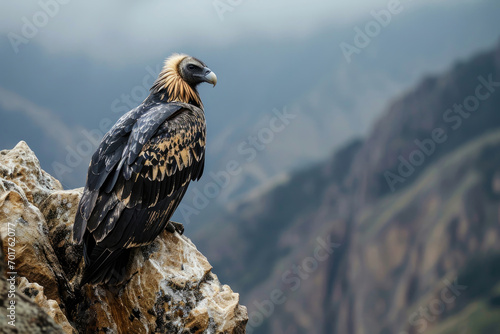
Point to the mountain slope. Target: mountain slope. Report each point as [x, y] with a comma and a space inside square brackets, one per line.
[408, 247]
[390, 253]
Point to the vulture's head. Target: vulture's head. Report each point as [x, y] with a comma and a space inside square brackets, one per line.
[180, 76]
[194, 72]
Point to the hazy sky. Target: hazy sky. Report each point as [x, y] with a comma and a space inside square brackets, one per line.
[120, 31]
[83, 56]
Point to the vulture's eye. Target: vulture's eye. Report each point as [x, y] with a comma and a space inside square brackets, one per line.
[191, 67]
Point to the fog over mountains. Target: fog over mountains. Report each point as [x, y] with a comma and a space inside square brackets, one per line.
[62, 103]
[340, 248]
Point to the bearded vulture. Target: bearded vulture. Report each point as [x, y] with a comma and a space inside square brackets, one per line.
[141, 170]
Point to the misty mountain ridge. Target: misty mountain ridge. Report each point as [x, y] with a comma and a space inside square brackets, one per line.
[399, 246]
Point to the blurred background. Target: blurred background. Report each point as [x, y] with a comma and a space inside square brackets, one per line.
[352, 182]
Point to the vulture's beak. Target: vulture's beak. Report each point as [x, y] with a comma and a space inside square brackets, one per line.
[210, 76]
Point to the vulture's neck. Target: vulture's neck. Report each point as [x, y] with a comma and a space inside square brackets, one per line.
[170, 87]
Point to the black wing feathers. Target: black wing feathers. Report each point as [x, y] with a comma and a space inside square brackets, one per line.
[136, 180]
[107, 160]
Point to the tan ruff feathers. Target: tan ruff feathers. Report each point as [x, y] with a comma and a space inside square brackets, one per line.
[170, 83]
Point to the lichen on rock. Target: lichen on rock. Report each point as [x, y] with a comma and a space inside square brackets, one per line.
[171, 289]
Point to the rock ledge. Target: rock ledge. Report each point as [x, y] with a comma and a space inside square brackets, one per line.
[172, 289]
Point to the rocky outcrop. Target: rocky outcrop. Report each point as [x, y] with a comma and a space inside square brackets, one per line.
[25, 315]
[171, 289]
